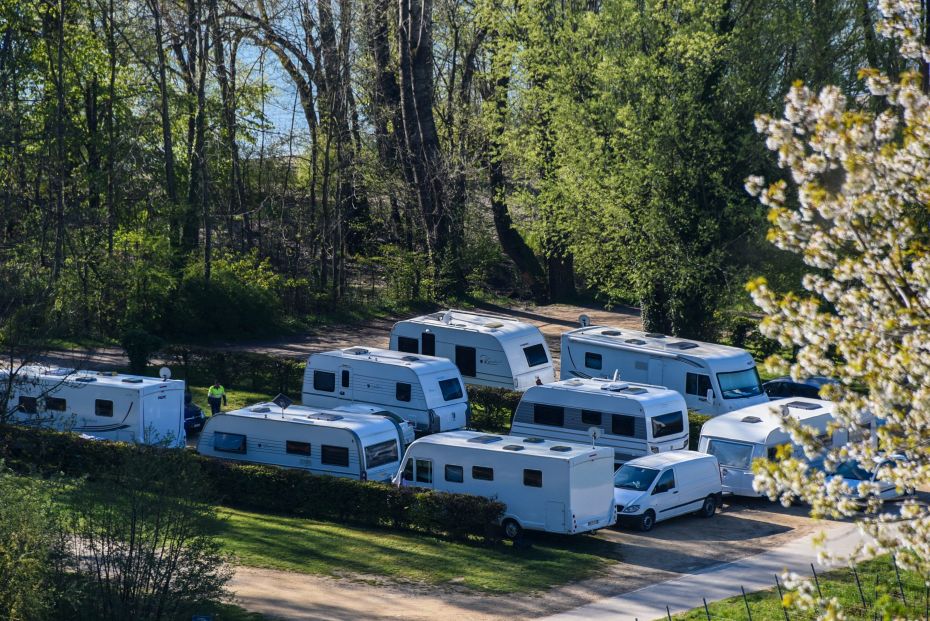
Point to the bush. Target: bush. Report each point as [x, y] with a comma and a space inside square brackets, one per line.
[492, 408]
[246, 371]
[695, 422]
[264, 489]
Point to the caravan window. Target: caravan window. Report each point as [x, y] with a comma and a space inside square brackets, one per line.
[697, 384]
[532, 478]
[451, 389]
[623, 425]
[408, 345]
[402, 392]
[103, 407]
[455, 474]
[324, 381]
[590, 417]
[229, 442]
[551, 415]
[408, 470]
[55, 403]
[429, 343]
[732, 454]
[535, 355]
[381, 453]
[334, 455]
[667, 424]
[593, 361]
[29, 405]
[345, 378]
[293, 447]
[424, 471]
[465, 360]
[482, 473]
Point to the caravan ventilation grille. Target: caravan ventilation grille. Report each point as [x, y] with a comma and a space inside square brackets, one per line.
[561, 449]
[132, 380]
[410, 359]
[513, 447]
[85, 379]
[803, 405]
[636, 341]
[611, 332]
[357, 351]
[262, 409]
[61, 372]
[327, 417]
[683, 345]
[655, 335]
[751, 419]
[533, 440]
[485, 439]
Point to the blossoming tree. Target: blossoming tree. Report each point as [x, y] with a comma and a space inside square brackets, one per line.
[857, 211]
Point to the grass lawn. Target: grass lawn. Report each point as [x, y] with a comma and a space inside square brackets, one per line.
[880, 589]
[307, 546]
[236, 398]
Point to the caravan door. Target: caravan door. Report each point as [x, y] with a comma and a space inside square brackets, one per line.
[555, 516]
[345, 382]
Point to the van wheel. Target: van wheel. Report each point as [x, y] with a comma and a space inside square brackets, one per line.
[647, 521]
[512, 530]
[709, 508]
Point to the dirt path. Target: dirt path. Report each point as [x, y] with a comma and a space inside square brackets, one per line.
[678, 547]
[552, 320]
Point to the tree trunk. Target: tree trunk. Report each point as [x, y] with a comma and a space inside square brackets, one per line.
[171, 184]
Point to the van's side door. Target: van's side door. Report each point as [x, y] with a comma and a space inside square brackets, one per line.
[665, 496]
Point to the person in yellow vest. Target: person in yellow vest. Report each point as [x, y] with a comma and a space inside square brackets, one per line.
[216, 394]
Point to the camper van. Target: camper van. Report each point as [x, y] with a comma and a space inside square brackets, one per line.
[738, 438]
[341, 444]
[108, 406]
[713, 379]
[655, 488]
[424, 390]
[632, 419]
[488, 350]
[557, 487]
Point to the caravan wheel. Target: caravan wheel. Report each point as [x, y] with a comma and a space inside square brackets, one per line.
[512, 530]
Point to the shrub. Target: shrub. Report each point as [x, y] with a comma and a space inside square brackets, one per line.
[246, 371]
[695, 422]
[139, 346]
[492, 408]
[264, 489]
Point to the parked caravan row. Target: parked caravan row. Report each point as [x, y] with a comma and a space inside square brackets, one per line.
[108, 406]
[632, 419]
[488, 350]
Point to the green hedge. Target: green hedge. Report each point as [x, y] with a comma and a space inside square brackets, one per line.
[492, 408]
[695, 422]
[265, 489]
[242, 370]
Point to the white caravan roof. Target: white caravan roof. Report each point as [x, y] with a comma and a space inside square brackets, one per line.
[418, 362]
[500, 327]
[361, 424]
[73, 377]
[653, 342]
[565, 392]
[538, 447]
[668, 458]
[755, 423]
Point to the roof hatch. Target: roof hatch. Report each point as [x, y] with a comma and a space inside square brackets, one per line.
[485, 439]
[803, 405]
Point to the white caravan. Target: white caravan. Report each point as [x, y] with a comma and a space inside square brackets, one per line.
[713, 379]
[424, 390]
[738, 438]
[632, 419]
[557, 487]
[405, 427]
[488, 350]
[341, 444]
[658, 487]
[108, 406]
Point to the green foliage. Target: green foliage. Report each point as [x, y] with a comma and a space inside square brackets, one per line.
[492, 409]
[247, 371]
[139, 346]
[695, 422]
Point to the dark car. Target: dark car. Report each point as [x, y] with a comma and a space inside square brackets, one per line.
[194, 419]
[809, 387]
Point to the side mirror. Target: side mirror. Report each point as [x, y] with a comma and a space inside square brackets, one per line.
[710, 394]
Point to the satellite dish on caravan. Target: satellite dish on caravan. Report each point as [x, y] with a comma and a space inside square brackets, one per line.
[447, 317]
[164, 373]
[584, 320]
[595, 433]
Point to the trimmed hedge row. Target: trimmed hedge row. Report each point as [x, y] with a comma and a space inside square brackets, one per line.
[492, 408]
[695, 422]
[242, 370]
[265, 489]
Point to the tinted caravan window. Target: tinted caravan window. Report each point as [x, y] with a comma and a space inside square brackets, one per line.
[334, 455]
[408, 345]
[551, 415]
[590, 417]
[381, 453]
[293, 447]
[229, 442]
[535, 355]
[482, 473]
[451, 389]
[465, 360]
[623, 425]
[29, 405]
[402, 392]
[667, 424]
[324, 381]
[56, 404]
[428, 339]
[593, 361]
[532, 478]
[103, 407]
[455, 474]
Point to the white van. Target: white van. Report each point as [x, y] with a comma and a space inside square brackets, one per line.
[738, 438]
[488, 350]
[713, 379]
[425, 390]
[340, 444]
[658, 487]
[109, 406]
[557, 487]
[632, 419]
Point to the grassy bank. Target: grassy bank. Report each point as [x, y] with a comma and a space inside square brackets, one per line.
[236, 398]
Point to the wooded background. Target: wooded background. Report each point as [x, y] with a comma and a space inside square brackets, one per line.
[437, 149]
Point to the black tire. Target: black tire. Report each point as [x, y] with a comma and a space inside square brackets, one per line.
[647, 521]
[709, 508]
[512, 530]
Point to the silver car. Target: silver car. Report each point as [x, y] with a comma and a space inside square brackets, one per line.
[854, 476]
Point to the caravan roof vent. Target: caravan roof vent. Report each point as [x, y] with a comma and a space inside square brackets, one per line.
[615, 386]
[751, 419]
[261, 409]
[655, 335]
[485, 439]
[513, 447]
[494, 325]
[327, 417]
[611, 332]
[561, 449]
[132, 380]
[357, 351]
[574, 382]
[85, 379]
[803, 405]
[636, 341]
[410, 358]
[60, 371]
[683, 345]
[635, 390]
[533, 440]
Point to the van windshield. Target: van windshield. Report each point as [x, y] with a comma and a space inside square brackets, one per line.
[732, 454]
[852, 470]
[634, 477]
[740, 384]
[451, 389]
